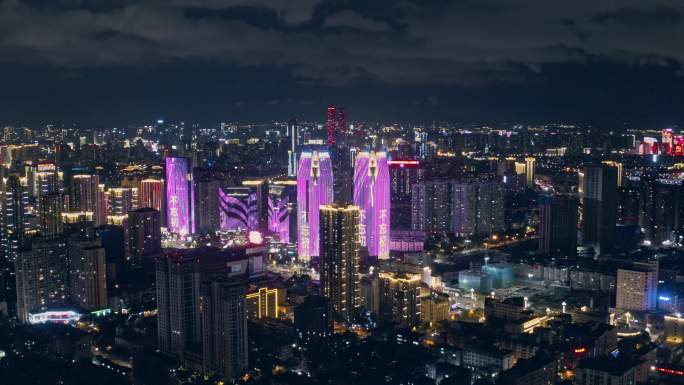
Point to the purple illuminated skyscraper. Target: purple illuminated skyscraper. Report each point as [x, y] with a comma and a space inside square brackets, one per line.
[180, 196]
[314, 188]
[372, 195]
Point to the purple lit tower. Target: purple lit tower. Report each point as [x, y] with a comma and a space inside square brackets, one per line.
[372, 195]
[314, 188]
[279, 217]
[180, 196]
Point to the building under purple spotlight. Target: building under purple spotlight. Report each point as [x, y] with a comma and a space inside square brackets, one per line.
[279, 217]
[372, 195]
[314, 188]
[180, 196]
[238, 209]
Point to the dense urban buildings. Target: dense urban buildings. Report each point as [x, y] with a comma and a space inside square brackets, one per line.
[342, 251]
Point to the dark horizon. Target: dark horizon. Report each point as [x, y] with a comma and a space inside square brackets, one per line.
[109, 63]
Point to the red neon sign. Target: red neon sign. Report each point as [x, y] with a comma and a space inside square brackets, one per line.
[671, 371]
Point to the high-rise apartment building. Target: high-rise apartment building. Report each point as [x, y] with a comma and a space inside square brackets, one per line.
[404, 176]
[599, 192]
[529, 170]
[144, 233]
[88, 274]
[178, 319]
[15, 202]
[121, 200]
[432, 206]
[339, 259]
[558, 225]
[399, 298]
[85, 196]
[152, 195]
[207, 204]
[637, 287]
[50, 215]
[41, 276]
[224, 327]
[477, 207]
[313, 319]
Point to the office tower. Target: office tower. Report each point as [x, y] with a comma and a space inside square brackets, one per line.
[339, 258]
[41, 276]
[180, 196]
[372, 196]
[121, 200]
[432, 206]
[178, 319]
[404, 175]
[85, 196]
[14, 207]
[314, 189]
[477, 208]
[282, 219]
[313, 319]
[144, 233]
[88, 272]
[558, 225]
[599, 206]
[238, 208]
[637, 287]
[152, 195]
[400, 298]
[50, 215]
[529, 170]
[293, 139]
[224, 326]
[331, 125]
[207, 204]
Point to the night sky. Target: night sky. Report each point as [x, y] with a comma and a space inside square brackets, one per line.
[98, 63]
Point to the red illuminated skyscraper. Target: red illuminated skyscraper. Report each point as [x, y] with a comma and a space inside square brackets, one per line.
[331, 124]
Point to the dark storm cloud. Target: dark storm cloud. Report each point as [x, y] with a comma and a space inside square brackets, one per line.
[458, 42]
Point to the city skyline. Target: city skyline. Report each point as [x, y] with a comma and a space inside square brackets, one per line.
[335, 192]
